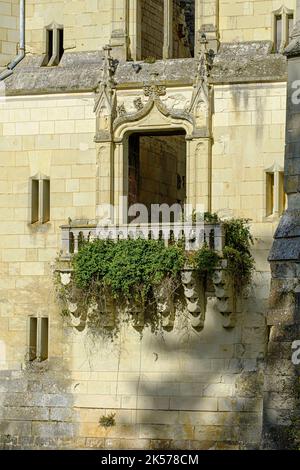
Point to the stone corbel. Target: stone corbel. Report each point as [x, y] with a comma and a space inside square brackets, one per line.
[225, 295]
[194, 293]
[165, 305]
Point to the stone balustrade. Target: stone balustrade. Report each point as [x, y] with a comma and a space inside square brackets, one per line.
[192, 235]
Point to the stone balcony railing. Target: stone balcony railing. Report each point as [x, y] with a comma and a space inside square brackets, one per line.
[192, 235]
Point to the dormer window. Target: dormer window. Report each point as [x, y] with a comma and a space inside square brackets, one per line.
[54, 38]
[283, 20]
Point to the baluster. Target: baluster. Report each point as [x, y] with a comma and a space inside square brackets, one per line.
[76, 241]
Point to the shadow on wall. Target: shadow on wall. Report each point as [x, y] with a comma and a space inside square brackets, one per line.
[191, 390]
[281, 428]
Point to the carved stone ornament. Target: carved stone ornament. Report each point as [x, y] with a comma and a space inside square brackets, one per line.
[105, 101]
[200, 102]
[195, 298]
[138, 104]
[154, 89]
[225, 296]
[65, 278]
[165, 305]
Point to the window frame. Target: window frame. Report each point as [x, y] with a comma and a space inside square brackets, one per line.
[285, 15]
[279, 198]
[54, 56]
[38, 338]
[40, 199]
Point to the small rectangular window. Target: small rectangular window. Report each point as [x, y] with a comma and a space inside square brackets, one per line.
[270, 182]
[46, 201]
[60, 46]
[49, 46]
[54, 45]
[32, 338]
[278, 32]
[281, 194]
[43, 339]
[40, 200]
[38, 338]
[35, 189]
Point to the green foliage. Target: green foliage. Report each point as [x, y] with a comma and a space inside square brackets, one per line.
[207, 217]
[238, 235]
[129, 268]
[205, 261]
[150, 59]
[238, 241]
[108, 421]
[108, 276]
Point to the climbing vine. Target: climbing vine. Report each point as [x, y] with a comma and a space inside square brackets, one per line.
[240, 262]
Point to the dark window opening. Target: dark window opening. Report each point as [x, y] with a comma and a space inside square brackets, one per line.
[278, 32]
[60, 44]
[49, 46]
[35, 207]
[152, 30]
[156, 170]
[184, 28]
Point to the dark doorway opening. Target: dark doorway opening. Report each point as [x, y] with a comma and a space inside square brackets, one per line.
[157, 169]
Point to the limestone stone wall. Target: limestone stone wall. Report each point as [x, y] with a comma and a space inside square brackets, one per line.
[87, 23]
[9, 35]
[190, 389]
[52, 137]
[249, 20]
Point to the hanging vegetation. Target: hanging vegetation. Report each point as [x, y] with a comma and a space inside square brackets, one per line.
[129, 275]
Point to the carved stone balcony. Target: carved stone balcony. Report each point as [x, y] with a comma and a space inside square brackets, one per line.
[192, 235]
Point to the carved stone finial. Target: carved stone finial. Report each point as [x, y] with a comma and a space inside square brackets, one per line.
[108, 68]
[105, 100]
[205, 60]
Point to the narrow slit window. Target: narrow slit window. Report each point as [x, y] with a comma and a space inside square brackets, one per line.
[278, 32]
[43, 339]
[32, 339]
[281, 193]
[40, 200]
[49, 46]
[270, 182]
[54, 45]
[60, 46]
[38, 338]
[46, 201]
[35, 189]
